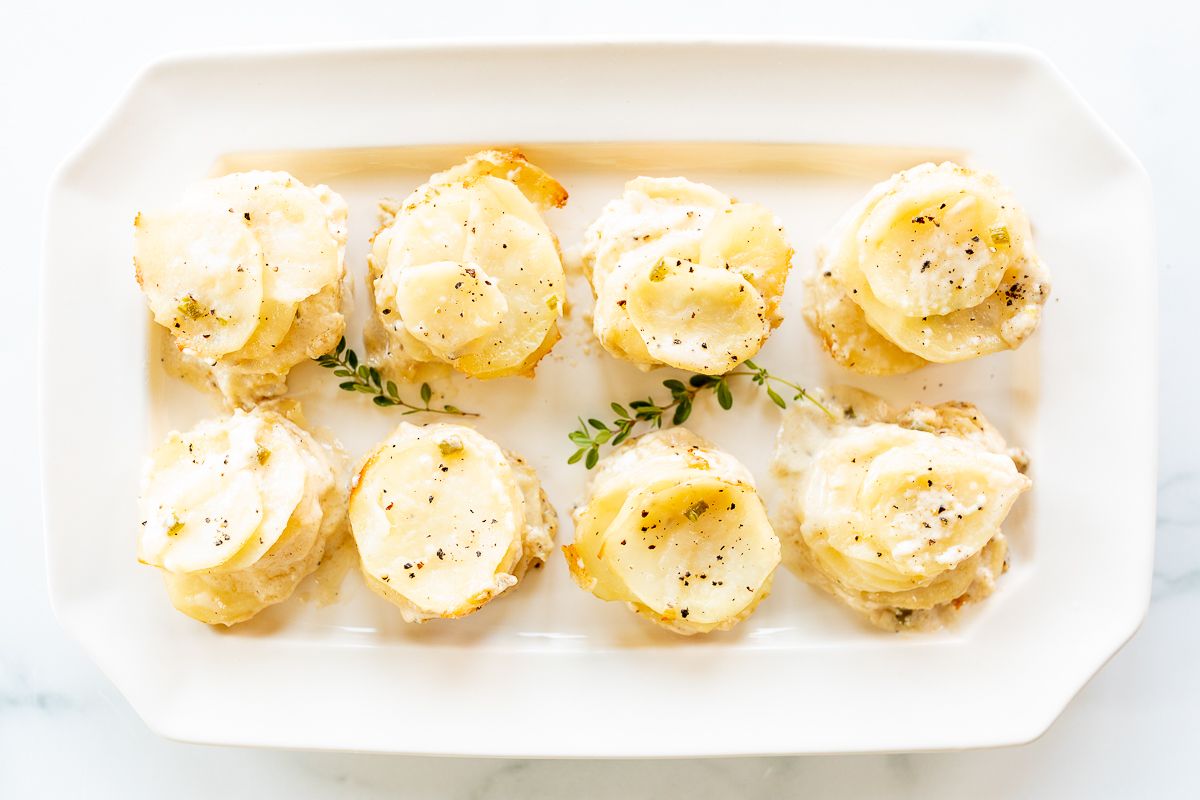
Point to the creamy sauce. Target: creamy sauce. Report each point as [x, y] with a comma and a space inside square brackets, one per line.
[324, 586]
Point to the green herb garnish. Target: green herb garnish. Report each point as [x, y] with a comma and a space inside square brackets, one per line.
[367, 380]
[450, 445]
[592, 434]
[190, 307]
[693, 513]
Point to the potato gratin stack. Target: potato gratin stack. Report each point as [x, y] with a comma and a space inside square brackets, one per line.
[936, 264]
[674, 528]
[898, 515]
[684, 276]
[466, 273]
[237, 511]
[246, 274]
[445, 520]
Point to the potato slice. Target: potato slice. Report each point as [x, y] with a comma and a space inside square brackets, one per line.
[676, 192]
[301, 255]
[210, 523]
[438, 517]
[228, 598]
[747, 238]
[699, 318]
[889, 509]
[477, 215]
[201, 270]
[428, 232]
[280, 472]
[523, 262]
[618, 335]
[1000, 322]
[611, 487]
[940, 258]
[737, 263]
[925, 247]
[674, 528]
[197, 509]
[449, 306]
[700, 550]
[946, 587]
[585, 554]
[275, 319]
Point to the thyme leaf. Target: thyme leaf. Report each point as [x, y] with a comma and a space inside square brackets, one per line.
[593, 434]
[366, 379]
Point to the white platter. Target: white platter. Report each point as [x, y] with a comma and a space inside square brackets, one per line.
[549, 671]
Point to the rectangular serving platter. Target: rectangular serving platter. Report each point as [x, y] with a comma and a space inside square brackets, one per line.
[549, 671]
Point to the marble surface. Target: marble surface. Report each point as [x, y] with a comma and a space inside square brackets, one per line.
[65, 732]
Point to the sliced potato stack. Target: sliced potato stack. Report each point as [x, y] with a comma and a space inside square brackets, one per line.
[936, 264]
[445, 520]
[898, 516]
[236, 512]
[674, 528]
[246, 273]
[466, 272]
[685, 276]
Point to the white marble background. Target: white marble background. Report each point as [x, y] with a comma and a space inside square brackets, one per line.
[65, 732]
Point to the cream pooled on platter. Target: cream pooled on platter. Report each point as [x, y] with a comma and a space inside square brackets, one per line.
[445, 520]
[935, 264]
[237, 511]
[246, 274]
[465, 272]
[674, 528]
[685, 276]
[896, 515]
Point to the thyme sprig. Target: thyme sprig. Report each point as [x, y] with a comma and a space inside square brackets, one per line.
[593, 433]
[367, 380]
